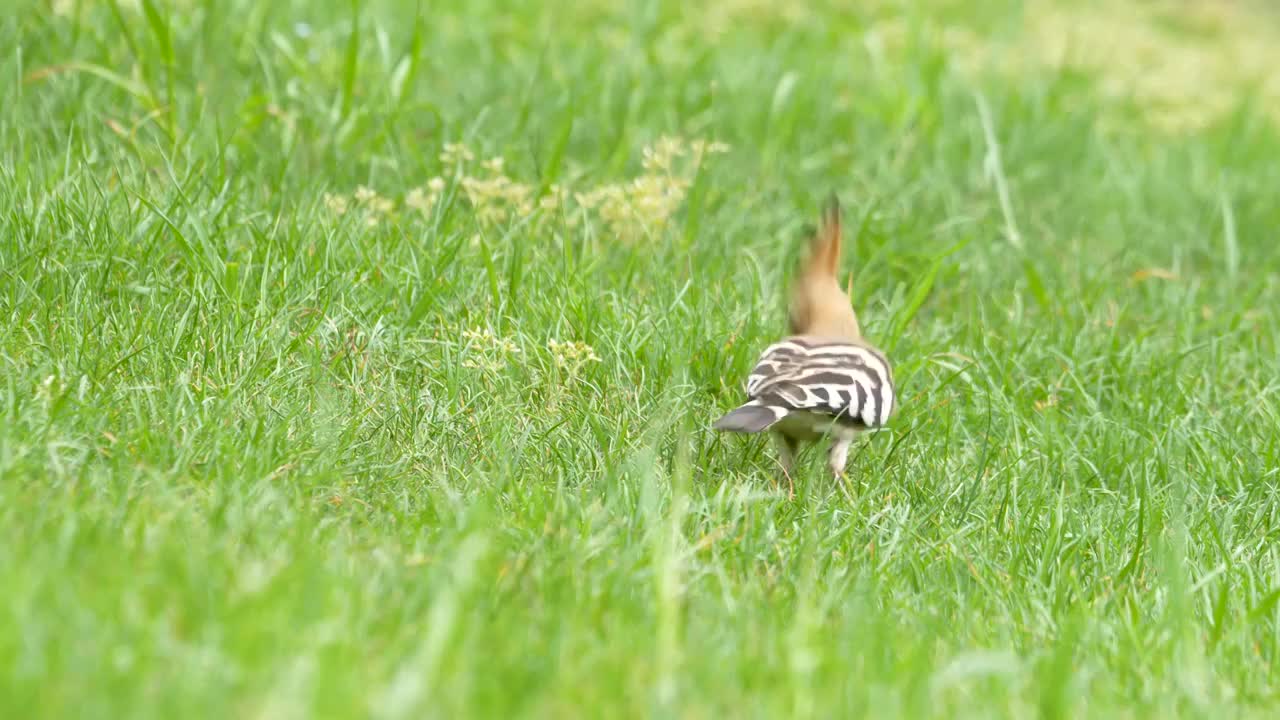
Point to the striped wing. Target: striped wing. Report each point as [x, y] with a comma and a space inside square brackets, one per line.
[851, 382]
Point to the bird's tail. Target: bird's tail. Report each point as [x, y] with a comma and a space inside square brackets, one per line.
[750, 418]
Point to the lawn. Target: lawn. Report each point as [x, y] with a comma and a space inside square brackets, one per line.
[359, 359]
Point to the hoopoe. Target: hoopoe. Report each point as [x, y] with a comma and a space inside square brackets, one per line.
[824, 378]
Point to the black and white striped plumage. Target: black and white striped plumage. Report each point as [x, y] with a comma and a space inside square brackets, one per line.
[802, 386]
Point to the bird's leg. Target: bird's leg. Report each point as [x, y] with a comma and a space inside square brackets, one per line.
[838, 454]
[786, 459]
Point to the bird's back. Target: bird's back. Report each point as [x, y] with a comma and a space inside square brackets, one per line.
[803, 383]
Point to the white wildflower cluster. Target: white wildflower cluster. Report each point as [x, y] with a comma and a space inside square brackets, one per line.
[647, 202]
[456, 156]
[493, 195]
[496, 198]
[372, 207]
[628, 209]
[483, 350]
[369, 198]
[424, 200]
[337, 204]
[572, 356]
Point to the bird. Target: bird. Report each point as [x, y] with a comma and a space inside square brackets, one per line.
[823, 379]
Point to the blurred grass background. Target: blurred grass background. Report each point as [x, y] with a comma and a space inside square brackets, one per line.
[358, 359]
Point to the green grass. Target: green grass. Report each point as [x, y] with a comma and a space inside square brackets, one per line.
[252, 466]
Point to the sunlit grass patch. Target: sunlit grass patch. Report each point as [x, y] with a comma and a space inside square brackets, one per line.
[1182, 65]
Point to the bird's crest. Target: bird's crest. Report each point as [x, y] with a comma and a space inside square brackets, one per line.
[824, 248]
[818, 305]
